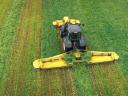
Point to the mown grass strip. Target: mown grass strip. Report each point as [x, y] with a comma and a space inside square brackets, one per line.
[33, 80]
[27, 32]
[101, 83]
[7, 37]
[4, 10]
[16, 74]
[83, 81]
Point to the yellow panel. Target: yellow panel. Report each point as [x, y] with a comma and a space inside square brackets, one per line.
[49, 65]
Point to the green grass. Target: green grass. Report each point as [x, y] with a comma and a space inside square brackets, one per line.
[8, 31]
[105, 30]
[7, 34]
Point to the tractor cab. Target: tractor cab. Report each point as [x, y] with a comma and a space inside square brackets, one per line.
[72, 37]
[75, 36]
[74, 32]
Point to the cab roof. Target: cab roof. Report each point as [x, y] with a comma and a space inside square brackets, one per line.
[73, 28]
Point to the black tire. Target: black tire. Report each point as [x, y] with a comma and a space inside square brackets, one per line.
[82, 43]
[67, 49]
[82, 48]
[67, 44]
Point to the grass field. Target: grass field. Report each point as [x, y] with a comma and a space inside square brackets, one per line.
[26, 34]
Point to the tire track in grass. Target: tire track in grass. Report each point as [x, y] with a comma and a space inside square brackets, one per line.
[16, 73]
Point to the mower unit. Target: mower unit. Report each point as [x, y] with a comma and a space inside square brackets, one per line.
[74, 45]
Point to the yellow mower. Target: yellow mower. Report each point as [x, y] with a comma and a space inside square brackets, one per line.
[74, 45]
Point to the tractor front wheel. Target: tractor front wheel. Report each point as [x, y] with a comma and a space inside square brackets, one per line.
[67, 49]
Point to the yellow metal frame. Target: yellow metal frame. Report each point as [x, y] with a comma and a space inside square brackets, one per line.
[58, 60]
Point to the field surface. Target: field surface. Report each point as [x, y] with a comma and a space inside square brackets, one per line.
[26, 34]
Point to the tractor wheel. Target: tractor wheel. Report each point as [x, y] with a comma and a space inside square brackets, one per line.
[67, 49]
[82, 48]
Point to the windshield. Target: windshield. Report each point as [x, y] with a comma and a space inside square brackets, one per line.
[74, 28]
[75, 36]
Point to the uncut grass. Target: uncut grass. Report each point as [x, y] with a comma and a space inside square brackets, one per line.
[118, 35]
[108, 32]
[7, 31]
[103, 36]
[118, 24]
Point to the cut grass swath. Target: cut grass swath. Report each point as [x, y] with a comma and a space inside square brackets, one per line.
[22, 57]
[7, 37]
[83, 80]
[5, 10]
